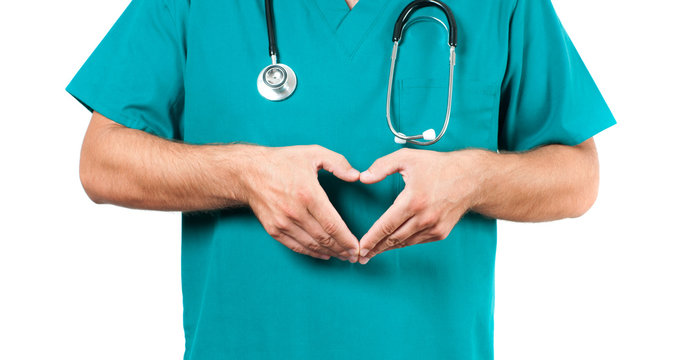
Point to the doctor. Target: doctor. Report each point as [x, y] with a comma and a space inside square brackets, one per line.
[179, 125]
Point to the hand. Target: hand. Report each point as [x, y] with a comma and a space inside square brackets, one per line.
[440, 188]
[283, 191]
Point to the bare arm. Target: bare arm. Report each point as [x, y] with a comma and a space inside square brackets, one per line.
[132, 168]
[548, 183]
[135, 169]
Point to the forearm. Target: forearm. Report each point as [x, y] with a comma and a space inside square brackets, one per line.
[132, 168]
[549, 183]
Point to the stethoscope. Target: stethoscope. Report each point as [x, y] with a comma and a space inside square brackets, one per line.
[277, 81]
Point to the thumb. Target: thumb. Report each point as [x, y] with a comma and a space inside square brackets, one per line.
[381, 168]
[338, 165]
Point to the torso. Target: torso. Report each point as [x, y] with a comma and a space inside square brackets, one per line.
[248, 295]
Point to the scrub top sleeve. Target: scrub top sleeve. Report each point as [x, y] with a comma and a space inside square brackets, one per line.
[548, 95]
[136, 74]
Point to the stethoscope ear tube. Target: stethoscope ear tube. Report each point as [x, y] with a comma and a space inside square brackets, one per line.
[428, 137]
[270, 21]
[418, 4]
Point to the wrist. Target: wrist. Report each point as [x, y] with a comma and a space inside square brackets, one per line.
[483, 166]
[238, 171]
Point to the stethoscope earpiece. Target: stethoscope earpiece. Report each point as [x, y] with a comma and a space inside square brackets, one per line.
[428, 135]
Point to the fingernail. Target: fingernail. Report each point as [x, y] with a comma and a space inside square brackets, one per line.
[353, 172]
[341, 258]
[325, 257]
[353, 252]
[364, 260]
[365, 173]
[352, 259]
[364, 252]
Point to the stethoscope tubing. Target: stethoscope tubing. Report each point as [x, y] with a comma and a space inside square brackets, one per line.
[275, 89]
[270, 21]
[399, 27]
[419, 4]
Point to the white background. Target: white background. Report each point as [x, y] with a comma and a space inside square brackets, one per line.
[83, 281]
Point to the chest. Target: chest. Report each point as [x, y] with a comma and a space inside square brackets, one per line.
[341, 59]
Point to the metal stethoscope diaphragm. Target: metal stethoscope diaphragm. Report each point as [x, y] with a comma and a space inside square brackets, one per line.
[276, 81]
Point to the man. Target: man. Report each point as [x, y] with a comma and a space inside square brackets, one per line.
[178, 125]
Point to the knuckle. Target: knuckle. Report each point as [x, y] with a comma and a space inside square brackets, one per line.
[273, 231]
[324, 240]
[438, 233]
[426, 221]
[290, 212]
[392, 241]
[418, 203]
[387, 228]
[398, 246]
[432, 219]
[330, 228]
[313, 246]
[304, 196]
[281, 224]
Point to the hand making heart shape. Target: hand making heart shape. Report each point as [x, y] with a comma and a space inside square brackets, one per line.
[439, 188]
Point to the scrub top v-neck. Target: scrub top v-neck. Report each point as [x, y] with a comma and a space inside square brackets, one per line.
[186, 70]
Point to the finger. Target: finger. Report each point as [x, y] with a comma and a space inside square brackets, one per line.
[383, 167]
[297, 247]
[413, 240]
[337, 164]
[386, 225]
[421, 237]
[312, 228]
[306, 241]
[331, 222]
[399, 238]
[384, 244]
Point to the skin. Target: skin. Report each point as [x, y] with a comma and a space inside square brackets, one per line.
[548, 183]
[135, 169]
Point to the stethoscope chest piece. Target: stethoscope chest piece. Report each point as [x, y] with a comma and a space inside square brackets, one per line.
[276, 82]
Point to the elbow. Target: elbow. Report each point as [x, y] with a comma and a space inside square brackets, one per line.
[92, 175]
[97, 169]
[583, 202]
[584, 198]
[89, 181]
[587, 186]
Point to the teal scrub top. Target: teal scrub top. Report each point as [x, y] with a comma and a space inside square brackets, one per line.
[187, 70]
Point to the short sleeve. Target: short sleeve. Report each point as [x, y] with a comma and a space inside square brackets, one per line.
[548, 95]
[136, 74]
